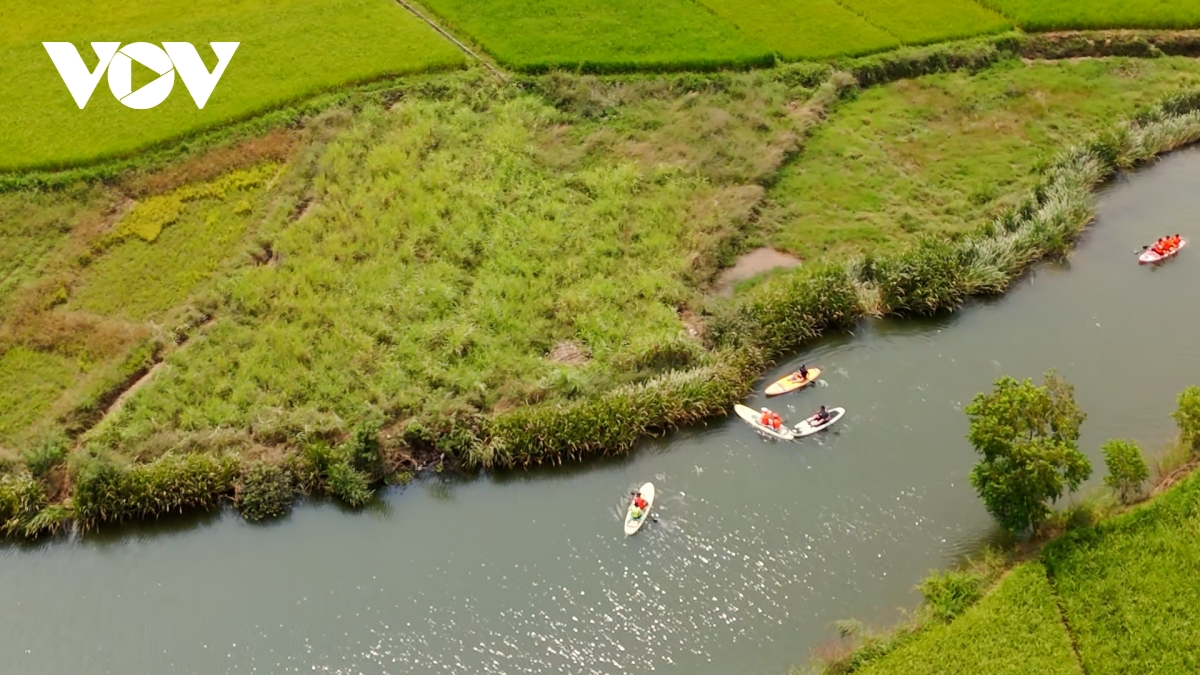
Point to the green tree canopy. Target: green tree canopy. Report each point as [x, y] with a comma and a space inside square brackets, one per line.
[1028, 436]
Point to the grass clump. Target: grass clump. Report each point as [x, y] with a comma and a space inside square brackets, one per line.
[1187, 418]
[264, 491]
[106, 492]
[948, 594]
[360, 40]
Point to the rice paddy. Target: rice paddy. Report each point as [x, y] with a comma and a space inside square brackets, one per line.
[1084, 14]
[41, 126]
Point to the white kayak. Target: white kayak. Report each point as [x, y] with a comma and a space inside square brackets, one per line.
[1149, 256]
[752, 417]
[634, 524]
[806, 427]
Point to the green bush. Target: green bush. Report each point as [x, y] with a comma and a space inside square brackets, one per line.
[265, 491]
[949, 594]
[363, 450]
[349, 485]
[1127, 468]
[1187, 417]
[911, 62]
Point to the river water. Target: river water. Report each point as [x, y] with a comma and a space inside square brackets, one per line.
[759, 546]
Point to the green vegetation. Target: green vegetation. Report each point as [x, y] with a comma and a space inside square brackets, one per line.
[804, 29]
[1029, 438]
[41, 126]
[1127, 468]
[1187, 416]
[614, 35]
[1084, 14]
[453, 269]
[1016, 629]
[1128, 586]
[944, 153]
[929, 20]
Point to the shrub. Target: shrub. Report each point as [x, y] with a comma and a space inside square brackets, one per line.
[948, 594]
[265, 491]
[363, 449]
[349, 485]
[1187, 417]
[1127, 468]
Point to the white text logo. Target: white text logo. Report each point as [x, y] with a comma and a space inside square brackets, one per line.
[172, 57]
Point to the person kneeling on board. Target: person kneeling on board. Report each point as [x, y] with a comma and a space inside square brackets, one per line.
[770, 419]
[802, 374]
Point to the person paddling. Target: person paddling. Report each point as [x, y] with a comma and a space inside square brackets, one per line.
[638, 502]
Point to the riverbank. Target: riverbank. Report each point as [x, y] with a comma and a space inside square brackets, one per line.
[667, 174]
[1102, 588]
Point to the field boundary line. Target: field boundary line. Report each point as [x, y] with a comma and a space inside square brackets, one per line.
[1062, 615]
[869, 22]
[446, 34]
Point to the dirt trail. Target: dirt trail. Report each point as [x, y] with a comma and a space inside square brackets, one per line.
[750, 265]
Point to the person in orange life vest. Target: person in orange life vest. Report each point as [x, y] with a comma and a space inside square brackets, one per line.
[776, 421]
[639, 502]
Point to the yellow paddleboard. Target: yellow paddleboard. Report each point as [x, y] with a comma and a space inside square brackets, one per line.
[791, 383]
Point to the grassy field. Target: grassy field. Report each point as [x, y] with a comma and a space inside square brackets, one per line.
[613, 35]
[467, 251]
[1125, 587]
[1083, 14]
[41, 126]
[947, 153]
[1014, 630]
[1129, 587]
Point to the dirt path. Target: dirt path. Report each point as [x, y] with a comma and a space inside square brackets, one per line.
[750, 265]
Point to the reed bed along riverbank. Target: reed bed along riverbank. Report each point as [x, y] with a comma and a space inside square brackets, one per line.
[479, 274]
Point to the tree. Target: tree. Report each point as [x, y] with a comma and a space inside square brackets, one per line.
[1127, 469]
[1187, 417]
[1028, 436]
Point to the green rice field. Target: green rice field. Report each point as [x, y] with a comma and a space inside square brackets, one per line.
[1038, 15]
[41, 126]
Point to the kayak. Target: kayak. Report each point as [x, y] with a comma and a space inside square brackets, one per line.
[1149, 256]
[789, 383]
[752, 416]
[805, 428]
[632, 525]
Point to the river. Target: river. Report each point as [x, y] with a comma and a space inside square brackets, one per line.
[759, 546]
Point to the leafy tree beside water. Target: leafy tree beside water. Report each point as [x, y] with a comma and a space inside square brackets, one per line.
[1029, 437]
[1127, 468]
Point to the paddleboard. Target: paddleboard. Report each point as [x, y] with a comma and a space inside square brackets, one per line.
[752, 416]
[1149, 256]
[805, 429]
[632, 525]
[786, 384]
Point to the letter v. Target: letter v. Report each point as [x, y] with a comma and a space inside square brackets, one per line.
[74, 72]
[199, 82]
